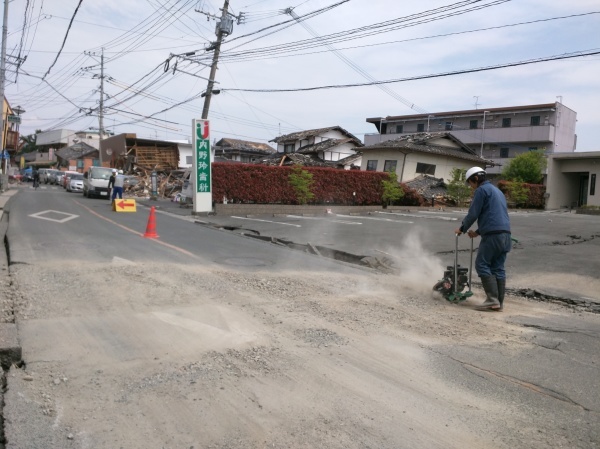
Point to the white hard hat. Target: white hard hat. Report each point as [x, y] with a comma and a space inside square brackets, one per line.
[474, 171]
[120, 172]
[114, 170]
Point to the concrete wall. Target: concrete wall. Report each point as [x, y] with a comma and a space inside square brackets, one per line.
[58, 136]
[564, 179]
[185, 149]
[566, 119]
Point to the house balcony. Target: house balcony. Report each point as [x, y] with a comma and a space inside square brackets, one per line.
[473, 137]
[12, 140]
[513, 134]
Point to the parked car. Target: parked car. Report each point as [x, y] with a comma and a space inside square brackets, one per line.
[27, 174]
[59, 177]
[75, 183]
[95, 182]
[67, 176]
[43, 172]
[51, 177]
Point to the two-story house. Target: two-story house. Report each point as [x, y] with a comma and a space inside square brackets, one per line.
[333, 146]
[498, 134]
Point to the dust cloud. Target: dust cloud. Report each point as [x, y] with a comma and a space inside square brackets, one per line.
[418, 269]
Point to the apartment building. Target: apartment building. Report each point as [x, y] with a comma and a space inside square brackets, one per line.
[496, 134]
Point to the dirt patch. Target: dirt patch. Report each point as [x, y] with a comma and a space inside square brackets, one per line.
[121, 355]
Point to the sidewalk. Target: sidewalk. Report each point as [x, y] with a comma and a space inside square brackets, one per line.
[10, 351]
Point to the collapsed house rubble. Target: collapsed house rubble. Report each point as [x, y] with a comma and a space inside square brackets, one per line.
[432, 190]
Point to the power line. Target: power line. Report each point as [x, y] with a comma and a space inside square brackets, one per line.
[64, 40]
[436, 75]
[241, 57]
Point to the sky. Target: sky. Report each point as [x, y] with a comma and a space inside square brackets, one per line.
[156, 64]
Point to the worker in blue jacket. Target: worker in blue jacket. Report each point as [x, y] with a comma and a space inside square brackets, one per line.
[489, 209]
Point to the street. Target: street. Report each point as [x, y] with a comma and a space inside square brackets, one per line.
[208, 338]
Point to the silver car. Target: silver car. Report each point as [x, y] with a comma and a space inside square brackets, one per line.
[75, 183]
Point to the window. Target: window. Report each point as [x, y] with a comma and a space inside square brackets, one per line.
[473, 124]
[371, 165]
[448, 126]
[189, 160]
[535, 120]
[390, 166]
[288, 148]
[79, 163]
[399, 129]
[96, 162]
[506, 122]
[504, 153]
[425, 169]
[593, 185]
[420, 127]
[532, 148]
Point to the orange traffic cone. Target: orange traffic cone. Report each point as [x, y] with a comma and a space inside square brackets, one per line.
[151, 227]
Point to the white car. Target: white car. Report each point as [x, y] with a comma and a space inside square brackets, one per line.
[75, 183]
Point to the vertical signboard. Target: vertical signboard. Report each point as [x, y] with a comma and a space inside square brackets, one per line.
[203, 159]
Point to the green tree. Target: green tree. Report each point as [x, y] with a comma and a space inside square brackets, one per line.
[518, 193]
[302, 182]
[28, 142]
[458, 189]
[526, 167]
[392, 190]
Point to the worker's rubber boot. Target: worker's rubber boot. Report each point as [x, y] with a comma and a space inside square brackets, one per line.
[501, 289]
[490, 286]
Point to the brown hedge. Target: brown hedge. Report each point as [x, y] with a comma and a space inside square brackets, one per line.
[261, 184]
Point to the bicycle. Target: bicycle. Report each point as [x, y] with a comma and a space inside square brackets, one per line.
[36, 183]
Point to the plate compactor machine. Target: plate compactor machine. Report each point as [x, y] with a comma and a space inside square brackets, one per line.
[456, 279]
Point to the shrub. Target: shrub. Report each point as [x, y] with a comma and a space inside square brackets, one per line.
[248, 183]
[532, 194]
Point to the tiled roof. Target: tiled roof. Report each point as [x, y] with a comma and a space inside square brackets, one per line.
[428, 186]
[75, 151]
[308, 160]
[325, 145]
[419, 143]
[238, 144]
[302, 135]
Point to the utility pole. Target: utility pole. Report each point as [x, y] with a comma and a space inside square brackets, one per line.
[101, 112]
[101, 102]
[224, 28]
[2, 82]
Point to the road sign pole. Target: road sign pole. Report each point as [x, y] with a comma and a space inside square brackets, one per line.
[202, 168]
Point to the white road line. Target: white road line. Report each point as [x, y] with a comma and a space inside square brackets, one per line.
[327, 219]
[419, 216]
[377, 219]
[267, 221]
[54, 212]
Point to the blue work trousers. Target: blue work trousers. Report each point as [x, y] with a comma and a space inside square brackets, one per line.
[117, 191]
[491, 255]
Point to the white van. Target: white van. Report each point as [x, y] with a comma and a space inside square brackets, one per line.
[95, 182]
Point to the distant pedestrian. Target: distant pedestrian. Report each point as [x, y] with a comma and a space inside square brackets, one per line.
[111, 184]
[118, 185]
[489, 209]
[36, 179]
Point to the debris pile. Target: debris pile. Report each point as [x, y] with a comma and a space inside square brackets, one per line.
[169, 184]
